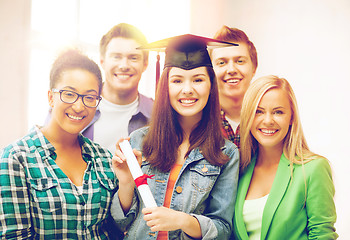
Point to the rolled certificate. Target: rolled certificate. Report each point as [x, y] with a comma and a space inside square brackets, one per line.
[136, 172]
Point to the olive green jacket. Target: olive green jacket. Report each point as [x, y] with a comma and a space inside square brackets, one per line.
[288, 214]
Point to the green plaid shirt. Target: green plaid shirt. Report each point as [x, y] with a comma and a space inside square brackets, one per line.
[38, 201]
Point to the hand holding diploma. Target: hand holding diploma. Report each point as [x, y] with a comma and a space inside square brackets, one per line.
[136, 172]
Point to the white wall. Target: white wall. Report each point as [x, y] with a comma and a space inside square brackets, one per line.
[308, 43]
[14, 62]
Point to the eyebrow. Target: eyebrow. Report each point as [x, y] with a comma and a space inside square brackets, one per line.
[177, 76]
[73, 89]
[181, 76]
[273, 108]
[126, 54]
[228, 57]
[200, 74]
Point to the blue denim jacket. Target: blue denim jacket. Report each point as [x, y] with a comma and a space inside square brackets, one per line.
[205, 191]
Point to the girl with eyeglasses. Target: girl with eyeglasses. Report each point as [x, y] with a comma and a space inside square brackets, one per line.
[55, 183]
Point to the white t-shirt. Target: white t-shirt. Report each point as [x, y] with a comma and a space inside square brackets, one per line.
[113, 123]
[234, 124]
[252, 216]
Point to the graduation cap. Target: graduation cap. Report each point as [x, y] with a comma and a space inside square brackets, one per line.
[185, 51]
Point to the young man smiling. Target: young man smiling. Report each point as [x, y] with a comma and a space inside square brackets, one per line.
[234, 68]
[122, 109]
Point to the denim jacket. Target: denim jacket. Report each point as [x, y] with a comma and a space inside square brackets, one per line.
[203, 190]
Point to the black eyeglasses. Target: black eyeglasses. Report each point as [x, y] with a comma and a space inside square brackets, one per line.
[68, 96]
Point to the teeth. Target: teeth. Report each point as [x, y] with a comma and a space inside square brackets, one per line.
[187, 101]
[232, 81]
[75, 117]
[122, 76]
[268, 131]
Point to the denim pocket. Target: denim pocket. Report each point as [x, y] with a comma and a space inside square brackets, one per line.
[203, 176]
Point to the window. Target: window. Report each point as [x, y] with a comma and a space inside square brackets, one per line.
[60, 23]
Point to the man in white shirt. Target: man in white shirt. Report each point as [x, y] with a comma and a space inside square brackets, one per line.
[122, 109]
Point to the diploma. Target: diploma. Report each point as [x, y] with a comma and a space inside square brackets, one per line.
[136, 172]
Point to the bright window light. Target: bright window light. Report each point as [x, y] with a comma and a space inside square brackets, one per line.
[60, 23]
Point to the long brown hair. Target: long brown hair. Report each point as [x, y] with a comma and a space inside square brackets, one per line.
[160, 146]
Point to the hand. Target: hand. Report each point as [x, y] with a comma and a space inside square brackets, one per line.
[162, 218]
[165, 219]
[120, 165]
[126, 181]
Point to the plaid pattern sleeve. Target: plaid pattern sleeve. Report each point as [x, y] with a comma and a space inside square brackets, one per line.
[228, 132]
[38, 201]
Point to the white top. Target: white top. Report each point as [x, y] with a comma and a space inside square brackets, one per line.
[233, 124]
[113, 123]
[80, 189]
[252, 215]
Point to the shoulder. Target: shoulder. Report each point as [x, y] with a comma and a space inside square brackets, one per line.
[25, 145]
[315, 166]
[145, 104]
[316, 172]
[139, 133]
[145, 100]
[137, 136]
[230, 148]
[318, 168]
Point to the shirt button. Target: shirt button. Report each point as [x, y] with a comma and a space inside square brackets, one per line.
[205, 169]
[178, 189]
[226, 127]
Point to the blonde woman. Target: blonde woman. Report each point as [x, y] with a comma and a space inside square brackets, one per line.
[285, 190]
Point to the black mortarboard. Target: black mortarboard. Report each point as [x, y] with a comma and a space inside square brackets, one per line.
[186, 51]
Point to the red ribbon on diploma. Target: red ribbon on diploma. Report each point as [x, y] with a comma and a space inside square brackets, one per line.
[141, 180]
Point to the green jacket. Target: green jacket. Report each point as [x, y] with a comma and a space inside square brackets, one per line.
[288, 214]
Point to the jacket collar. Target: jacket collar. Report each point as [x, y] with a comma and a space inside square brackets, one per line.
[279, 187]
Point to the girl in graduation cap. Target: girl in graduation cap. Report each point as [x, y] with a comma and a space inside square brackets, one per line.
[194, 169]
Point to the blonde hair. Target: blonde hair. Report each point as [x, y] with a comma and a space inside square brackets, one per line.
[295, 147]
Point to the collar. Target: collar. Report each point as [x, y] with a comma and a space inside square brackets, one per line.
[46, 149]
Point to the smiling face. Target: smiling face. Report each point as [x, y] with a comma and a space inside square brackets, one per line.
[234, 70]
[123, 65]
[272, 119]
[189, 91]
[74, 117]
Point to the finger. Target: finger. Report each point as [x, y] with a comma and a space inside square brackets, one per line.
[120, 154]
[146, 211]
[138, 156]
[117, 160]
[121, 140]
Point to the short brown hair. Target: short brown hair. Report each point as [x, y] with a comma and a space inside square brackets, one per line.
[238, 36]
[123, 30]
